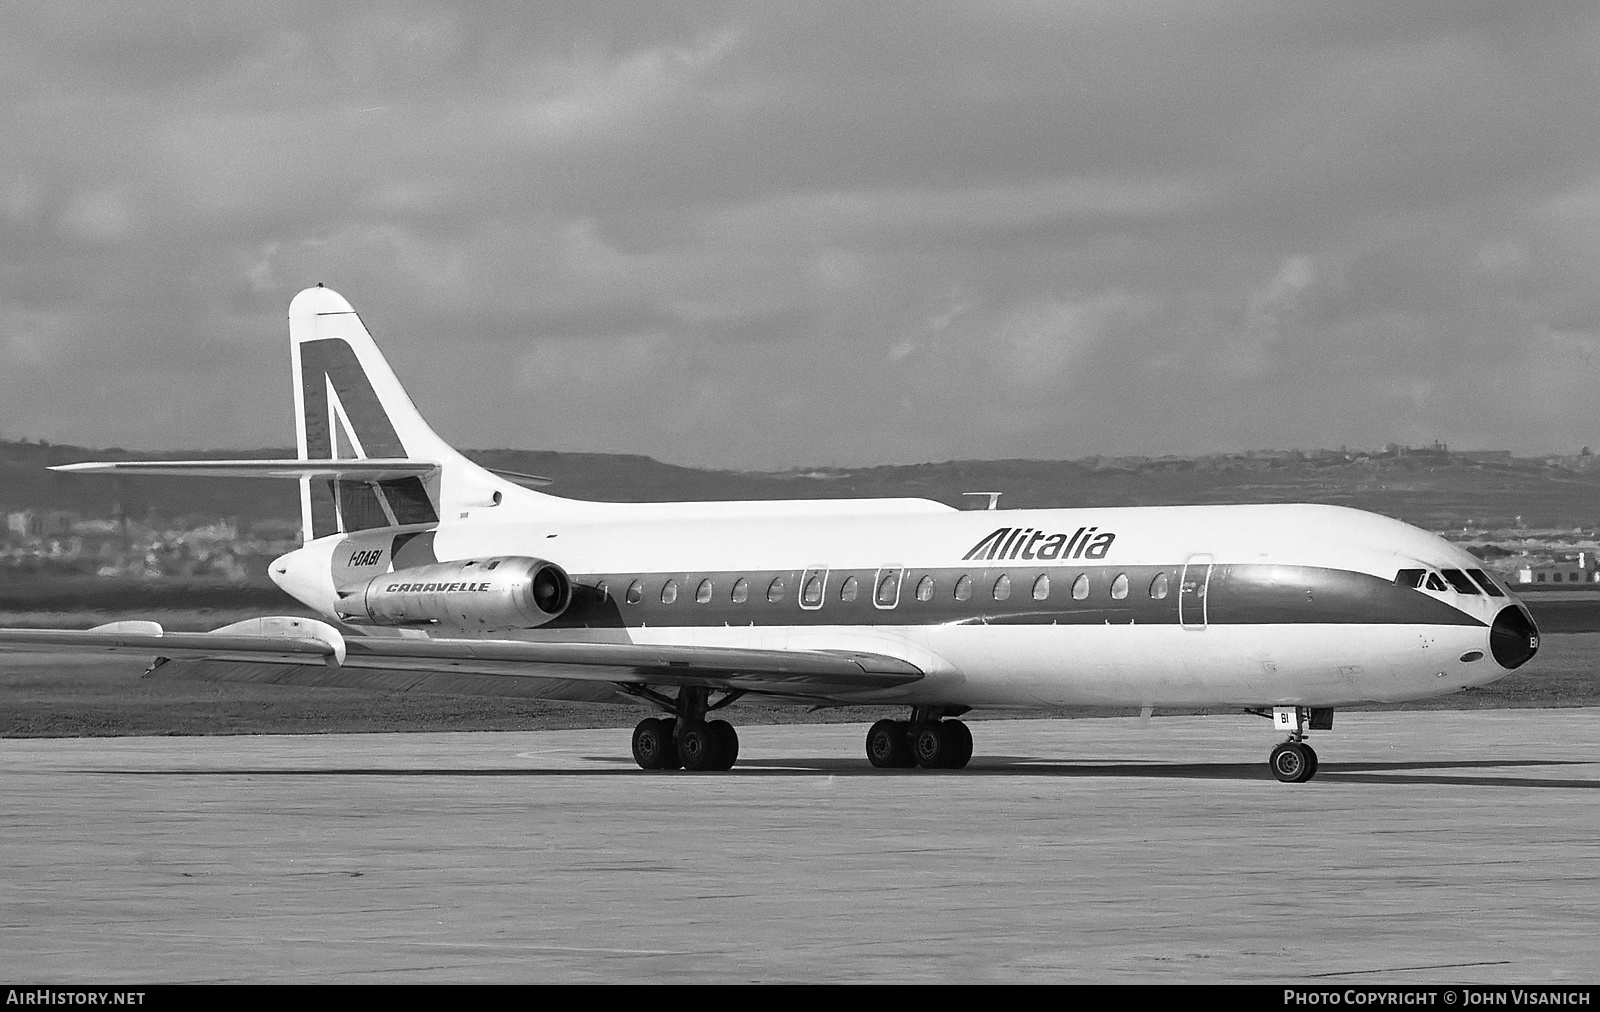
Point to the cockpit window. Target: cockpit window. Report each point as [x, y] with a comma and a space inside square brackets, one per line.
[1459, 581]
[1410, 578]
[1486, 583]
[1434, 583]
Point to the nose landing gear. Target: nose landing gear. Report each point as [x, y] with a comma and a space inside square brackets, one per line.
[1293, 761]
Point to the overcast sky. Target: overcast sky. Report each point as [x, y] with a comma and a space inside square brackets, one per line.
[771, 235]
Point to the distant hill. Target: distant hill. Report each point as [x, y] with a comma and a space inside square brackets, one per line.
[1435, 489]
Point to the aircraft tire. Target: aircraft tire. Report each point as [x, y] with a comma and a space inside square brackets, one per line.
[935, 745]
[961, 739]
[1293, 762]
[727, 743]
[653, 747]
[700, 748]
[887, 747]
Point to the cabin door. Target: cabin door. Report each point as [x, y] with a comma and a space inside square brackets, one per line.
[1192, 591]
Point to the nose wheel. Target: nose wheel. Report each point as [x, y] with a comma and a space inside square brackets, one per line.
[1293, 762]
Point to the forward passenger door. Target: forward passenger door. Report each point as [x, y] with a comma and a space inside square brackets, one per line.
[1192, 587]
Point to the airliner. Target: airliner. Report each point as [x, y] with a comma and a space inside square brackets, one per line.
[422, 565]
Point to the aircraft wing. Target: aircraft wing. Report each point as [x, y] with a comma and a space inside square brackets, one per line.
[299, 641]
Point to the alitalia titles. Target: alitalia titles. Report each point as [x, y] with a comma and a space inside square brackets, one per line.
[1031, 543]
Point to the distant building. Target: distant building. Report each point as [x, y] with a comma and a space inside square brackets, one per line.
[1581, 569]
[36, 525]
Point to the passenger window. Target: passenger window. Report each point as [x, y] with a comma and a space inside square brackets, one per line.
[741, 590]
[1487, 584]
[964, 588]
[889, 589]
[811, 593]
[702, 593]
[775, 590]
[1119, 587]
[669, 592]
[1002, 588]
[1554, 577]
[847, 589]
[1159, 587]
[1459, 581]
[635, 592]
[601, 593]
[1080, 587]
[925, 589]
[1541, 579]
[1041, 587]
[1434, 583]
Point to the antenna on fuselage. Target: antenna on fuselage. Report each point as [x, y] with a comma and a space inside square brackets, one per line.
[994, 498]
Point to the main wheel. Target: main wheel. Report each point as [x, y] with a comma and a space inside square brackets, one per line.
[700, 747]
[653, 748]
[727, 743]
[1293, 762]
[961, 744]
[887, 747]
[935, 745]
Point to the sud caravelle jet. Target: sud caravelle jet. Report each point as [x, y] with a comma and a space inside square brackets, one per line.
[425, 566]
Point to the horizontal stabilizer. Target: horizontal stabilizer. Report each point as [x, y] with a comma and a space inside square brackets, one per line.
[364, 469]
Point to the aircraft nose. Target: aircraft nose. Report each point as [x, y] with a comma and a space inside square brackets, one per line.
[1513, 639]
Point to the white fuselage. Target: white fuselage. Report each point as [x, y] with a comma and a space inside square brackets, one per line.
[1258, 605]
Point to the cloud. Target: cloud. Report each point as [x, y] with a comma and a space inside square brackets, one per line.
[101, 216]
[591, 93]
[1269, 313]
[822, 232]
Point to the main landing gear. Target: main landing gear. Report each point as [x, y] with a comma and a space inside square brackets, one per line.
[1293, 761]
[925, 740]
[687, 740]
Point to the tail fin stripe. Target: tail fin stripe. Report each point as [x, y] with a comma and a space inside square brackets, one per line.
[334, 359]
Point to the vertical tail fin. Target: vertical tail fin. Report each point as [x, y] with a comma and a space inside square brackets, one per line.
[349, 405]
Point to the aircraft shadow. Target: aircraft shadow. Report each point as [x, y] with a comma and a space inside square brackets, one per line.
[986, 766]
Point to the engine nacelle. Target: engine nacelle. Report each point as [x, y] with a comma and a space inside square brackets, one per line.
[506, 592]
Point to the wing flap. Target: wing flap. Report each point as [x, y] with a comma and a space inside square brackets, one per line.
[390, 679]
[290, 640]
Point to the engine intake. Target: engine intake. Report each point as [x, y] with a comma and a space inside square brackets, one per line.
[505, 592]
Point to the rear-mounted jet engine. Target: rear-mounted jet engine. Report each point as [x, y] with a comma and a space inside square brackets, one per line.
[508, 592]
